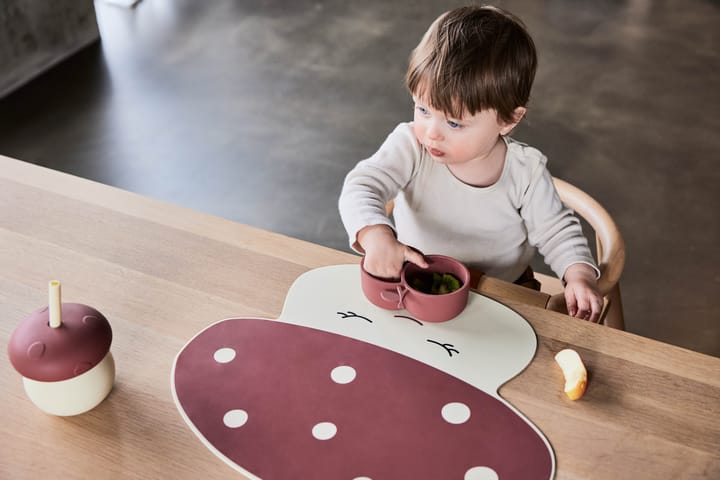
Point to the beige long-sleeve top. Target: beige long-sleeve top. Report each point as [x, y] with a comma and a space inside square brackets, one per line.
[495, 229]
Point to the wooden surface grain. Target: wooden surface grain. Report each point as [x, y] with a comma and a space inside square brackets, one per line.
[161, 273]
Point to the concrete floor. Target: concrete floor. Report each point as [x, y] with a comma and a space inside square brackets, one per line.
[256, 110]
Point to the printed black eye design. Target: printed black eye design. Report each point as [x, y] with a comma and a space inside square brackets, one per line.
[350, 314]
[449, 347]
[410, 318]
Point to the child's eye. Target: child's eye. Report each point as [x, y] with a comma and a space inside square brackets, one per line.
[422, 110]
[453, 124]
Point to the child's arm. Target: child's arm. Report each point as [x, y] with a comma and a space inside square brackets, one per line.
[384, 255]
[582, 297]
[365, 193]
[557, 233]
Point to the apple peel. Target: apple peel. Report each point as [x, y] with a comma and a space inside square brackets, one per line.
[574, 372]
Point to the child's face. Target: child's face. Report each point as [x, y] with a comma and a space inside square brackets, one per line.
[457, 140]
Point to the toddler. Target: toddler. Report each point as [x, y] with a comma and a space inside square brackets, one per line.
[461, 186]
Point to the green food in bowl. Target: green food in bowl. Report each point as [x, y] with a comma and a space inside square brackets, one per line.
[436, 284]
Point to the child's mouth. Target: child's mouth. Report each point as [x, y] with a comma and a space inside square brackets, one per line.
[435, 152]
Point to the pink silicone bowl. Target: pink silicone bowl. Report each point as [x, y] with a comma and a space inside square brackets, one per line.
[399, 295]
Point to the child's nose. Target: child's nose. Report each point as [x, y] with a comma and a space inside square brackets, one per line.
[433, 131]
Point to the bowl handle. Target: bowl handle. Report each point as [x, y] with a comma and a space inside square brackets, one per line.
[396, 295]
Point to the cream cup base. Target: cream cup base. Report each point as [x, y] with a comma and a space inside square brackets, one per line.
[76, 395]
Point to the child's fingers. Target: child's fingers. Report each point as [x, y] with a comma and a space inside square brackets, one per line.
[583, 301]
[583, 308]
[588, 306]
[386, 265]
[597, 306]
[571, 302]
[382, 270]
[413, 256]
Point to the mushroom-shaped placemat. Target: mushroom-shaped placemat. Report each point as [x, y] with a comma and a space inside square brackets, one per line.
[339, 388]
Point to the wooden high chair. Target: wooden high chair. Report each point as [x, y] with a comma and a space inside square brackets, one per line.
[610, 255]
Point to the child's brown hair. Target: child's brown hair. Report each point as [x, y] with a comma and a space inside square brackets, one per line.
[473, 59]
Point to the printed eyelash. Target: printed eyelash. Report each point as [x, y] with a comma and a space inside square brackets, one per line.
[449, 347]
[350, 314]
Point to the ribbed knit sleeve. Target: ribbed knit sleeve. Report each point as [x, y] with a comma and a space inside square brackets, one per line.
[553, 227]
[377, 180]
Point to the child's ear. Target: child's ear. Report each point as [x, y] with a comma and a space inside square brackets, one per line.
[518, 114]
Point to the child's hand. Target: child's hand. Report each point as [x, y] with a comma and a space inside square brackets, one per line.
[384, 255]
[581, 293]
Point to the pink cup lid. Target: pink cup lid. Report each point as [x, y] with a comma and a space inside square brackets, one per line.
[46, 354]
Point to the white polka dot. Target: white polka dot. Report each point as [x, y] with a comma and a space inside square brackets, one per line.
[224, 355]
[343, 374]
[235, 418]
[362, 478]
[324, 431]
[456, 413]
[481, 473]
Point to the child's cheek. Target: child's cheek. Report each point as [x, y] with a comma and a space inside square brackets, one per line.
[418, 130]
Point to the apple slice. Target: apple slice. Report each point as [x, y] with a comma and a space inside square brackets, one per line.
[574, 372]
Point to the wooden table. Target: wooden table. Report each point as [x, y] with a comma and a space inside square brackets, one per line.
[162, 273]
